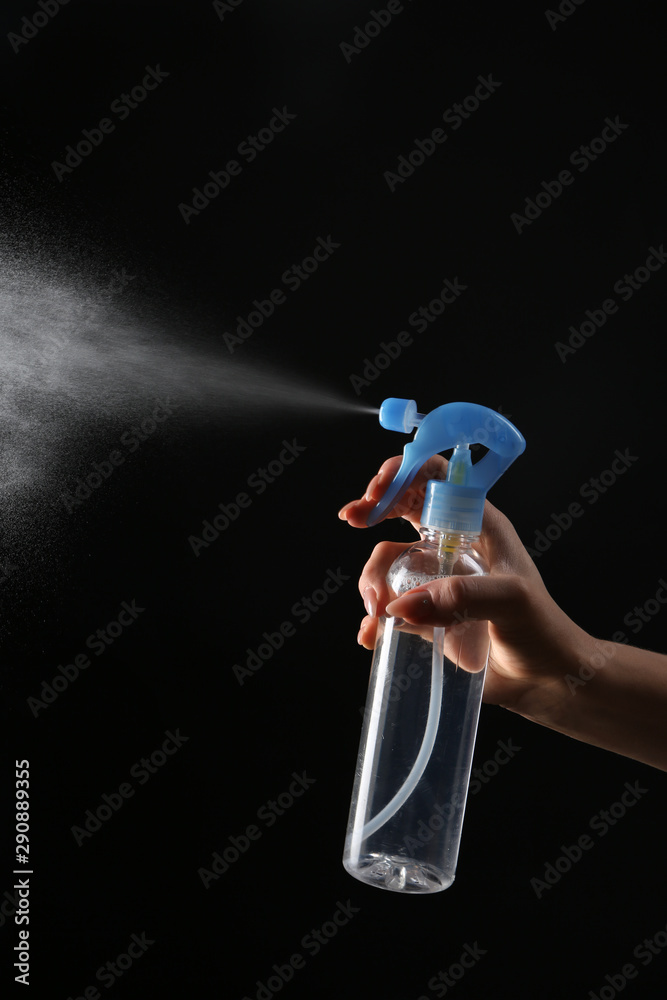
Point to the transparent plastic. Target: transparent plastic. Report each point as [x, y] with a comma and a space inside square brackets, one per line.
[418, 734]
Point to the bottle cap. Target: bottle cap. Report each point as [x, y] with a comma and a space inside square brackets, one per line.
[457, 503]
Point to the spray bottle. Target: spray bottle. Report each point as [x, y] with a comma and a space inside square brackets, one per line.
[425, 693]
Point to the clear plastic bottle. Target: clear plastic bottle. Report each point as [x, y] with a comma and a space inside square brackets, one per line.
[418, 735]
[425, 692]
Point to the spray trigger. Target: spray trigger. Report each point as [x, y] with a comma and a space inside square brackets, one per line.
[456, 504]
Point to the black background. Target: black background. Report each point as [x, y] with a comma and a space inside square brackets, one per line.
[68, 574]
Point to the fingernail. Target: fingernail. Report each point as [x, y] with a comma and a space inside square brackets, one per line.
[342, 513]
[370, 601]
[417, 605]
[362, 629]
[370, 488]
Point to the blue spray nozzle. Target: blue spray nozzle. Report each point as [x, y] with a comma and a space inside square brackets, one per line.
[456, 504]
[400, 415]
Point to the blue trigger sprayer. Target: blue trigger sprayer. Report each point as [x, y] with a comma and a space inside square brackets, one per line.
[425, 693]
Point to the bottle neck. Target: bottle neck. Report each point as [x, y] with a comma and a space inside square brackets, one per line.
[451, 545]
[448, 539]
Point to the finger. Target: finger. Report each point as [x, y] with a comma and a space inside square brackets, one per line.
[464, 606]
[367, 632]
[503, 600]
[410, 505]
[502, 547]
[356, 513]
[369, 626]
[373, 585]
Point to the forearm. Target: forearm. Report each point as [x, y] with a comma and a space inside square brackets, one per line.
[614, 697]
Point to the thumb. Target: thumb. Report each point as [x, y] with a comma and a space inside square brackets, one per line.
[501, 599]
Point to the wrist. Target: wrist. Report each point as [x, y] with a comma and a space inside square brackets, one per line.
[547, 699]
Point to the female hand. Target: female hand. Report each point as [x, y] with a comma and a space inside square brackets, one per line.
[534, 644]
